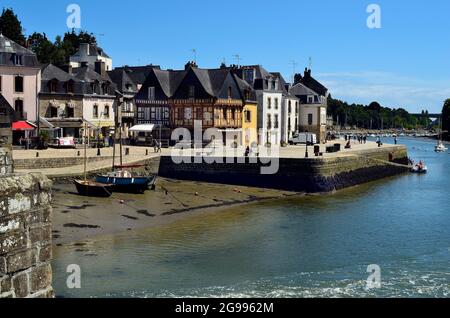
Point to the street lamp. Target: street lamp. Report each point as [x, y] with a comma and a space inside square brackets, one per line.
[306, 152]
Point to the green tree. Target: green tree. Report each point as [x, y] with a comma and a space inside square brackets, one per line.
[40, 45]
[11, 27]
[446, 119]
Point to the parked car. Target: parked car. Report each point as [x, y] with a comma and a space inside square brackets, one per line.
[63, 142]
[303, 138]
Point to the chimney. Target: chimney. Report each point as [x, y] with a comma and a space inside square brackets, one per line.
[297, 78]
[307, 72]
[190, 64]
[100, 68]
[84, 49]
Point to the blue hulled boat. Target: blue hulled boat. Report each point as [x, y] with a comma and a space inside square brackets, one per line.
[123, 180]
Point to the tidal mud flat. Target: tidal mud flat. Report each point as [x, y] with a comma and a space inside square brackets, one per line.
[77, 218]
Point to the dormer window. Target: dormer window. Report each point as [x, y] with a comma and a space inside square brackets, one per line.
[18, 60]
[70, 87]
[310, 99]
[229, 92]
[53, 86]
[94, 87]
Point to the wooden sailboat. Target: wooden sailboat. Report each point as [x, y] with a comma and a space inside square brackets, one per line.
[122, 176]
[440, 147]
[91, 188]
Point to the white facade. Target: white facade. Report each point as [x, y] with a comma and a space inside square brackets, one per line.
[99, 111]
[90, 54]
[291, 118]
[269, 117]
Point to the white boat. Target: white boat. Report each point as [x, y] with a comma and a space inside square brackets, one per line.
[440, 147]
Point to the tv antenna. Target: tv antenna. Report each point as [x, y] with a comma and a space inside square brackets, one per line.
[294, 67]
[238, 59]
[194, 51]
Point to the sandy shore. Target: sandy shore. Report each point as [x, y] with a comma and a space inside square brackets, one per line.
[78, 218]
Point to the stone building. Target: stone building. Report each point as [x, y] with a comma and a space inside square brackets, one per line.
[61, 101]
[7, 117]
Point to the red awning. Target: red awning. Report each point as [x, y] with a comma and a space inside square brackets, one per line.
[22, 126]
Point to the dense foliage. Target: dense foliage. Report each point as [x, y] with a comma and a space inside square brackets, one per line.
[11, 27]
[374, 116]
[56, 52]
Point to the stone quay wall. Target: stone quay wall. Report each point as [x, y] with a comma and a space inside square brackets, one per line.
[313, 175]
[46, 163]
[25, 236]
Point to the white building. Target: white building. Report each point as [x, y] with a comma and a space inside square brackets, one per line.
[269, 93]
[313, 109]
[90, 53]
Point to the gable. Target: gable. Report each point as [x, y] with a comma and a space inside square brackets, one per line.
[199, 80]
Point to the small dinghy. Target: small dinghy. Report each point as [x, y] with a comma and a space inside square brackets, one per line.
[420, 168]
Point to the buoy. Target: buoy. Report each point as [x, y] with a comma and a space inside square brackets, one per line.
[122, 202]
[196, 194]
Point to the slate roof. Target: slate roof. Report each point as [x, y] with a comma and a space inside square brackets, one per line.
[138, 74]
[94, 50]
[88, 74]
[301, 90]
[9, 48]
[122, 80]
[313, 84]
[50, 72]
[215, 82]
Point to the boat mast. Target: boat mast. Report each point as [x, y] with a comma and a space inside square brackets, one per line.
[85, 153]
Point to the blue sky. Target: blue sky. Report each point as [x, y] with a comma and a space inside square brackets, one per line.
[404, 64]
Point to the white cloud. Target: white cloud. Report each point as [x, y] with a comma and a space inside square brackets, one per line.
[387, 88]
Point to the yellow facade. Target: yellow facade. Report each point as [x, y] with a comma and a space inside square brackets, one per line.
[250, 125]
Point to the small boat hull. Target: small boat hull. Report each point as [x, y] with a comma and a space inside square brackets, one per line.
[128, 184]
[93, 189]
[419, 171]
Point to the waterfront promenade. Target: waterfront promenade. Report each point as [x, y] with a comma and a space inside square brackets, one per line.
[95, 163]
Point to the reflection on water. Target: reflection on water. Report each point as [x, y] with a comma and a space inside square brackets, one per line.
[296, 247]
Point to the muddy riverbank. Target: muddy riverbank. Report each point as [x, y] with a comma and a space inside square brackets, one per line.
[77, 218]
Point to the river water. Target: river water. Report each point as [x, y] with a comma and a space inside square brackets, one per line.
[316, 246]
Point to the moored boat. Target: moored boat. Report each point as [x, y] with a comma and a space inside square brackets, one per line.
[420, 168]
[440, 147]
[125, 181]
[93, 189]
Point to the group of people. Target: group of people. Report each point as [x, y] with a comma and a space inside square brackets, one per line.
[361, 139]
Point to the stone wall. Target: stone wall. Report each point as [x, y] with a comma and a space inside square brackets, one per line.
[312, 175]
[48, 163]
[25, 236]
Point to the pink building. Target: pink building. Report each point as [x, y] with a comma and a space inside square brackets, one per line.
[20, 79]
